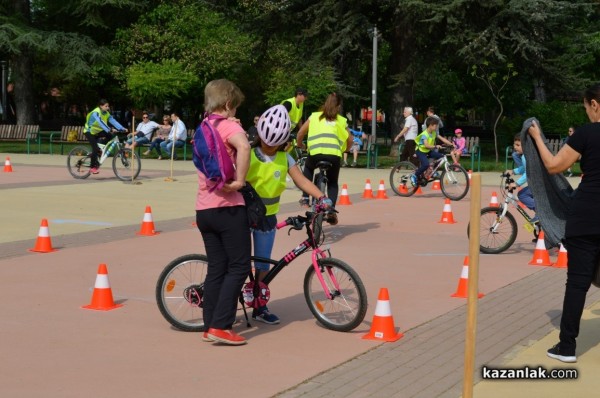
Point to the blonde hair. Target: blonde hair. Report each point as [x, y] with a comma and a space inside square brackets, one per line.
[222, 94]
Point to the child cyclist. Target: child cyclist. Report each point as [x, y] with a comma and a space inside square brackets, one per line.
[269, 166]
[425, 143]
[524, 194]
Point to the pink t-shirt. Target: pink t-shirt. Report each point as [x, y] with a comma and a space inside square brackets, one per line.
[219, 198]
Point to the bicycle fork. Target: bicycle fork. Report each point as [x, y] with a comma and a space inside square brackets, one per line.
[316, 254]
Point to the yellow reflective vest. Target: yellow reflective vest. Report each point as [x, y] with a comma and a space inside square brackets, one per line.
[268, 178]
[430, 137]
[327, 137]
[95, 127]
[295, 112]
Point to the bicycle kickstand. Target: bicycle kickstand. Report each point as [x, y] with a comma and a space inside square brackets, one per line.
[241, 299]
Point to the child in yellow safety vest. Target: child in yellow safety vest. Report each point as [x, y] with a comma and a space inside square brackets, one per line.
[269, 166]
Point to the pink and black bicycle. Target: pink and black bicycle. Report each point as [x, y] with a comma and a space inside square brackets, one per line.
[333, 291]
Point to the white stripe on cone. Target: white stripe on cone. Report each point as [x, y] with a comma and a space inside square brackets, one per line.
[464, 274]
[147, 217]
[383, 308]
[102, 282]
[44, 232]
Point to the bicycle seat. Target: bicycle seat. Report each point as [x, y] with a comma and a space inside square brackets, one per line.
[324, 165]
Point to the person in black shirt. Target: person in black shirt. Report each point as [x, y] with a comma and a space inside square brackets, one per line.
[582, 228]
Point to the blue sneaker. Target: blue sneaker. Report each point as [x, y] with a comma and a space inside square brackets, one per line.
[263, 315]
[413, 180]
[535, 219]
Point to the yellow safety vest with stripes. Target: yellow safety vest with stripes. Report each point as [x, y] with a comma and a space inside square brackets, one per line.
[430, 137]
[295, 112]
[95, 127]
[327, 137]
[268, 178]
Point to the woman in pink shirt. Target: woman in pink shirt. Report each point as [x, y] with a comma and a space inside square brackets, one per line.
[222, 220]
[459, 146]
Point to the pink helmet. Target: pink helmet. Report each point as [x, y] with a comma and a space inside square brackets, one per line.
[458, 131]
[274, 126]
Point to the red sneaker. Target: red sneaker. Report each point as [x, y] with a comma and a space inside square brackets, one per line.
[225, 336]
[94, 170]
[205, 337]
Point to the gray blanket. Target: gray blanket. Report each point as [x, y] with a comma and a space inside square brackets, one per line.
[552, 193]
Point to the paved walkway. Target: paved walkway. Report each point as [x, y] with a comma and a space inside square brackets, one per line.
[127, 351]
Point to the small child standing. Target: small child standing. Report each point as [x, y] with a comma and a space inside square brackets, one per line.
[358, 136]
[459, 146]
[524, 194]
[269, 166]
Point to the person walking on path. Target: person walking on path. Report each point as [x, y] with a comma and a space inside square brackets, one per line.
[409, 131]
[582, 227]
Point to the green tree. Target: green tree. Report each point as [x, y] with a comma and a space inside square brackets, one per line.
[36, 43]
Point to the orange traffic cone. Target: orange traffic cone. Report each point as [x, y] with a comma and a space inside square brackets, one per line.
[7, 165]
[540, 254]
[102, 299]
[561, 260]
[368, 192]
[494, 200]
[402, 188]
[447, 217]
[43, 244]
[147, 224]
[419, 191]
[436, 186]
[344, 197]
[382, 327]
[462, 291]
[381, 191]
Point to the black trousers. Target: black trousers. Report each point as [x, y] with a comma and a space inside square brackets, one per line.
[226, 236]
[408, 152]
[333, 174]
[583, 255]
[93, 139]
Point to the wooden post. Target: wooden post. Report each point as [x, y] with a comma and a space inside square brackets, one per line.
[471, 327]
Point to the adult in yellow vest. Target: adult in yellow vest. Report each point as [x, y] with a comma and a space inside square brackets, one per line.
[269, 166]
[96, 128]
[425, 143]
[328, 137]
[295, 106]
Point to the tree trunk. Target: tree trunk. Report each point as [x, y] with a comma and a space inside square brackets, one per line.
[22, 69]
[402, 49]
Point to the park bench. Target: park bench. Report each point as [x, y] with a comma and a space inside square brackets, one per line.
[20, 133]
[554, 144]
[369, 147]
[62, 137]
[188, 143]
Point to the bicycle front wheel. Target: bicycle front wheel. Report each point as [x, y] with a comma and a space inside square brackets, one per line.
[496, 232]
[454, 182]
[400, 179]
[346, 308]
[126, 165]
[180, 290]
[79, 162]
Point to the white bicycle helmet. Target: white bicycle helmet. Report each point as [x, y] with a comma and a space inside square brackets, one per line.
[274, 126]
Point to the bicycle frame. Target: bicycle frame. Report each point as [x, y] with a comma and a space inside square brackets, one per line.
[511, 199]
[104, 154]
[302, 248]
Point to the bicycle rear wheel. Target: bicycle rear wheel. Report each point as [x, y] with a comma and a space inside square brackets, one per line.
[348, 305]
[454, 182]
[496, 233]
[126, 165]
[400, 179]
[180, 290]
[79, 162]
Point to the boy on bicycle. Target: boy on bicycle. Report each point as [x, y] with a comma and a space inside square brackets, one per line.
[425, 143]
[96, 127]
[524, 194]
